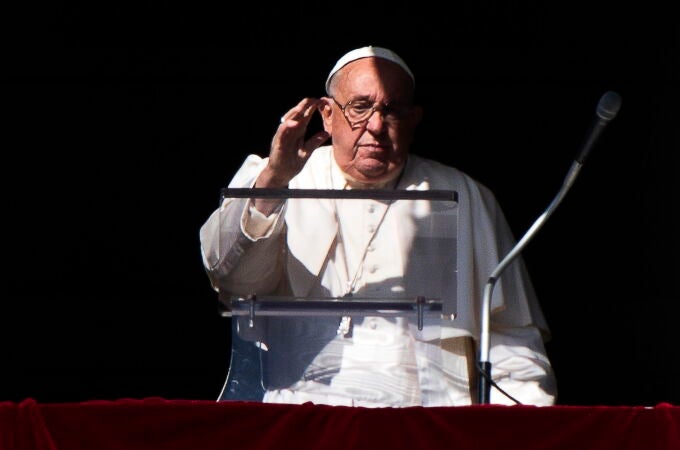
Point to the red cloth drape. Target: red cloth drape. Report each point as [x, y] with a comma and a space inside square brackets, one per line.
[184, 424]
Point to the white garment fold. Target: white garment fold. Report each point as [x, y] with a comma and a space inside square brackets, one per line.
[387, 362]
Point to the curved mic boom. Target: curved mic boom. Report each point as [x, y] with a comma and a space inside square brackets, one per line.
[607, 108]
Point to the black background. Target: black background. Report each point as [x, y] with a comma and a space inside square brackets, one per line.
[121, 124]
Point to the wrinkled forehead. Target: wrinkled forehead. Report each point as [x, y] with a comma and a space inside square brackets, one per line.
[373, 78]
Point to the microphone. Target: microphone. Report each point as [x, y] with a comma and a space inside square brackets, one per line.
[607, 108]
[606, 111]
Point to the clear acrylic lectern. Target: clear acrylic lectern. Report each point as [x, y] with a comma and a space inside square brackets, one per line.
[308, 289]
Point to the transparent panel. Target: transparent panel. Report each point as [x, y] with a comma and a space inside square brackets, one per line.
[333, 284]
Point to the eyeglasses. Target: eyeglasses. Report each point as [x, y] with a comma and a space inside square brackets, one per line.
[358, 111]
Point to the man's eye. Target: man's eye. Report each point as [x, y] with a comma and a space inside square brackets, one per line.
[361, 107]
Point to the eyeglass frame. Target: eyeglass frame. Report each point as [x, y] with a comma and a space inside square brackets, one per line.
[376, 105]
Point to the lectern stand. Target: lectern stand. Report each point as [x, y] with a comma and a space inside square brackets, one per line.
[404, 279]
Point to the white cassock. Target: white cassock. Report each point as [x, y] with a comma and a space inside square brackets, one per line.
[329, 247]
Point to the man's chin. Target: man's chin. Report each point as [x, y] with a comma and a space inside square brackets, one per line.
[371, 170]
[374, 172]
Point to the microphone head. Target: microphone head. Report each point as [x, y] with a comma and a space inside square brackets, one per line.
[609, 105]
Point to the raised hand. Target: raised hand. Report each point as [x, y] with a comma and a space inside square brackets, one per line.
[289, 150]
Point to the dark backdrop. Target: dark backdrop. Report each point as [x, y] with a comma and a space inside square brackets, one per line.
[121, 125]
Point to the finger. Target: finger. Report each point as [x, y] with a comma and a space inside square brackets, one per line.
[301, 110]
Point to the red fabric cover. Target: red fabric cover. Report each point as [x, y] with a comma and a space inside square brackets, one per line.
[161, 424]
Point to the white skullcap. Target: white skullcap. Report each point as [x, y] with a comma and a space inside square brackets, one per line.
[368, 52]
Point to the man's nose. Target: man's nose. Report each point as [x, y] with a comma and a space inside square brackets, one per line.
[376, 121]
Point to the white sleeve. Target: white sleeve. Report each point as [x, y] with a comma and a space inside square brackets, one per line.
[236, 261]
[256, 225]
[520, 367]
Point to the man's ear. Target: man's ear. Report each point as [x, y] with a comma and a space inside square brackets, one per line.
[326, 111]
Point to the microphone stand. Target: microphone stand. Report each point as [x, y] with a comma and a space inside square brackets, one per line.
[484, 384]
[607, 109]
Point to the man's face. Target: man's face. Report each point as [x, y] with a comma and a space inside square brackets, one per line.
[374, 150]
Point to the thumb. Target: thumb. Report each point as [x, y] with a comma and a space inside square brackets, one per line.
[316, 140]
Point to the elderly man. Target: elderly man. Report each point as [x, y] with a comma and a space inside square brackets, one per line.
[269, 246]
